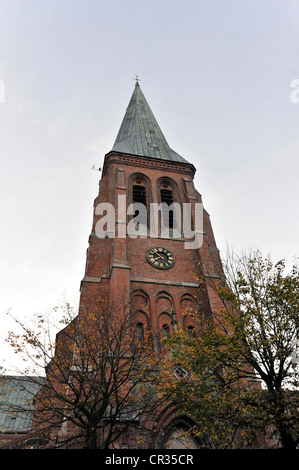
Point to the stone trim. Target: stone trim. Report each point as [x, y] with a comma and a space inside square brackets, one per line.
[167, 282]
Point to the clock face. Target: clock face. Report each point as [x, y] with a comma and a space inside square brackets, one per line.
[160, 258]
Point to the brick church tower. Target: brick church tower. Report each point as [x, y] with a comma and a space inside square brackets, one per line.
[142, 169]
[154, 264]
[157, 270]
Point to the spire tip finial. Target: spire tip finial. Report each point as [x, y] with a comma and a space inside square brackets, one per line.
[137, 80]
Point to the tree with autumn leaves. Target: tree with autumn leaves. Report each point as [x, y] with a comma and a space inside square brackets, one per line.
[99, 381]
[242, 384]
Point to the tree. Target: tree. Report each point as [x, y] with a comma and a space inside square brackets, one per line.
[244, 373]
[99, 377]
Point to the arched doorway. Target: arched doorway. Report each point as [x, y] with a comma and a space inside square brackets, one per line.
[177, 437]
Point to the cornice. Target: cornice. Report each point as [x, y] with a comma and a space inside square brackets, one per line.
[151, 163]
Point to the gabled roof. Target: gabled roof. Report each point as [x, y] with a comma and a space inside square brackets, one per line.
[140, 133]
[16, 402]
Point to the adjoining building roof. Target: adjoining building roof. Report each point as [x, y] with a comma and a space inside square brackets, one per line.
[140, 133]
[16, 402]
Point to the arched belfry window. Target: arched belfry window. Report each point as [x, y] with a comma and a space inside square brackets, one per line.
[167, 198]
[139, 193]
[140, 200]
[139, 203]
[171, 213]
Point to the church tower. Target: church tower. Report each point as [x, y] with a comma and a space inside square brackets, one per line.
[150, 246]
[157, 261]
[152, 258]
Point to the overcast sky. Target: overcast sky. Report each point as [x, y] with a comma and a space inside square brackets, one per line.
[217, 75]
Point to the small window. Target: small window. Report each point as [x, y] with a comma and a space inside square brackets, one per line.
[140, 331]
[191, 332]
[165, 331]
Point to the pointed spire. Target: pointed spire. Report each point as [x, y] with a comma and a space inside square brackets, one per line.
[140, 133]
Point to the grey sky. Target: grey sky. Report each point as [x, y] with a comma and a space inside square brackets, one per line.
[217, 76]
